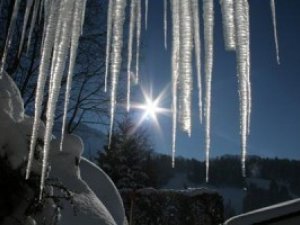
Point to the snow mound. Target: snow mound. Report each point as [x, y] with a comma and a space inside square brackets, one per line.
[86, 207]
[12, 142]
[104, 188]
[11, 101]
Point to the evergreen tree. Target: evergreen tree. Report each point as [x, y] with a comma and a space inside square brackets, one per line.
[127, 161]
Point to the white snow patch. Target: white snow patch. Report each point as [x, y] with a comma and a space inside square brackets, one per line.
[10, 98]
[104, 188]
[86, 207]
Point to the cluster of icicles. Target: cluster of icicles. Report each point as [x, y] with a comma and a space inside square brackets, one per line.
[63, 21]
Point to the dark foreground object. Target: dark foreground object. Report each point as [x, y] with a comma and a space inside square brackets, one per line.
[173, 207]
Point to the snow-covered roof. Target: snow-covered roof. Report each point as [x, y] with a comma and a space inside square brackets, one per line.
[275, 214]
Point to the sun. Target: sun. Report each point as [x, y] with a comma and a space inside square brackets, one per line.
[151, 107]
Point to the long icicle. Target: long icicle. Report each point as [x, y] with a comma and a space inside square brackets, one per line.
[197, 42]
[43, 71]
[185, 64]
[57, 41]
[83, 15]
[76, 31]
[249, 88]
[227, 8]
[11, 29]
[175, 71]
[165, 23]
[27, 12]
[138, 40]
[129, 54]
[116, 57]
[208, 18]
[56, 77]
[146, 13]
[242, 37]
[32, 23]
[273, 9]
[108, 40]
[42, 4]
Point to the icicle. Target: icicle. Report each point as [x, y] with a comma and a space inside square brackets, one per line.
[41, 10]
[33, 22]
[165, 23]
[130, 41]
[57, 41]
[138, 40]
[56, 77]
[273, 9]
[227, 8]
[76, 31]
[108, 39]
[116, 56]
[43, 71]
[175, 71]
[47, 6]
[208, 18]
[146, 13]
[83, 16]
[197, 42]
[242, 40]
[185, 64]
[249, 89]
[28, 9]
[9, 37]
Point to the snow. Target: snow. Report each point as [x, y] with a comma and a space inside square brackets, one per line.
[15, 149]
[268, 213]
[88, 207]
[104, 188]
[10, 98]
[235, 195]
[102, 207]
[11, 112]
[30, 221]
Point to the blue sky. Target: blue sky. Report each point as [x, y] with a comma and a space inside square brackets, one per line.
[275, 127]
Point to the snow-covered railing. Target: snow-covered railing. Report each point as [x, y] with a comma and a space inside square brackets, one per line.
[286, 213]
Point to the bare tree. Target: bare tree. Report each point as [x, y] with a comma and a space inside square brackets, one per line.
[88, 102]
